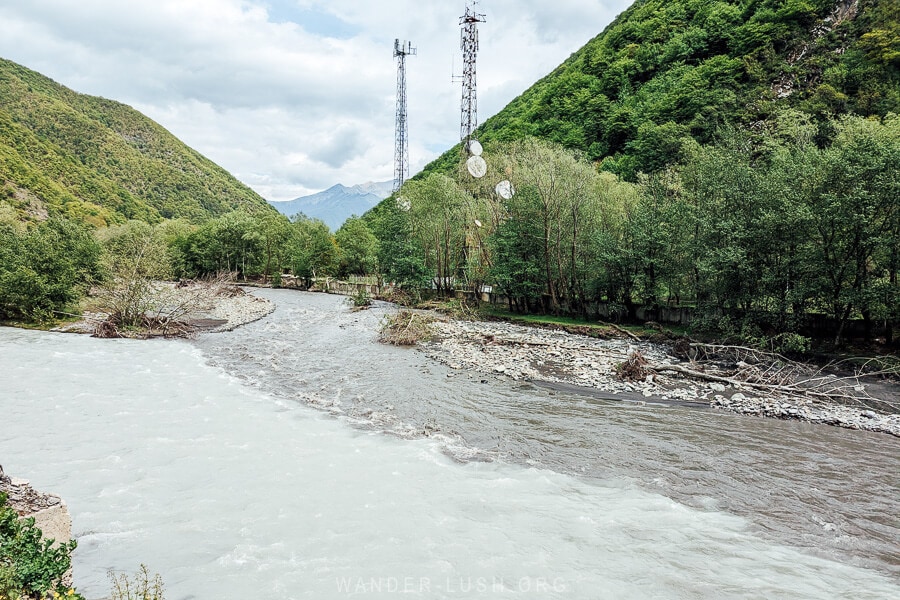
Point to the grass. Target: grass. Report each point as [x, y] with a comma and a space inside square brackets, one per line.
[573, 322]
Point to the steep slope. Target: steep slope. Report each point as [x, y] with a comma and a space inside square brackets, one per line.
[336, 204]
[665, 69]
[100, 161]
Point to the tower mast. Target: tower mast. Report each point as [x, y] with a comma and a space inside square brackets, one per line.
[401, 132]
[469, 43]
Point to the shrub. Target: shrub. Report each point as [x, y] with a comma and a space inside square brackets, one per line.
[360, 300]
[406, 328]
[30, 567]
[45, 269]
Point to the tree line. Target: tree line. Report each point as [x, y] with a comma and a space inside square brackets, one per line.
[758, 232]
[47, 267]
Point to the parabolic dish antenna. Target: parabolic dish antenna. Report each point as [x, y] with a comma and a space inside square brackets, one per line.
[478, 223]
[505, 190]
[476, 166]
[475, 148]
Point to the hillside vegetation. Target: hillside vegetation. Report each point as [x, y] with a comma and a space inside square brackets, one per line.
[669, 69]
[737, 160]
[100, 162]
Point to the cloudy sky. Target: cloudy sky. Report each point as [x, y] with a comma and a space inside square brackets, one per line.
[293, 96]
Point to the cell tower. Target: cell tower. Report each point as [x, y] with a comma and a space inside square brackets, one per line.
[401, 137]
[469, 116]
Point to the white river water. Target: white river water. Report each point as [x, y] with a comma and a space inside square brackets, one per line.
[229, 491]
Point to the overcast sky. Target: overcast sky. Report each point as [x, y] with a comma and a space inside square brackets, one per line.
[293, 96]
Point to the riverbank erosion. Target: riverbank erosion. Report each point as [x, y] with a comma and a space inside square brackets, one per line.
[644, 371]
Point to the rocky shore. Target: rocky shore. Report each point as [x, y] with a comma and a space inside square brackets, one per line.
[518, 352]
[49, 511]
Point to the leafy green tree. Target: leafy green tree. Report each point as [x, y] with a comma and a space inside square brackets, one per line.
[564, 189]
[854, 214]
[271, 231]
[439, 219]
[313, 252]
[400, 259]
[229, 243]
[358, 248]
[517, 253]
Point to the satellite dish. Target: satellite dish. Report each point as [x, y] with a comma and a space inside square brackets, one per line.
[474, 147]
[476, 166]
[505, 190]
[478, 223]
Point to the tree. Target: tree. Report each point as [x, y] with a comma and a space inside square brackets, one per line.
[271, 232]
[136, 258]
[564, 190]
[358, 248]
[438, 217]
[313, 251]
[400, 259]
[226, 244]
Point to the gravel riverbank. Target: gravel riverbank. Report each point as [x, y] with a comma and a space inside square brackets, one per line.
[518, 352]
[219, 310]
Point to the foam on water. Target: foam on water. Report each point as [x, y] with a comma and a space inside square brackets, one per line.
[230, 493]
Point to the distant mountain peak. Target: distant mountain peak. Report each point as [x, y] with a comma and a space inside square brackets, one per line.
[339, 202]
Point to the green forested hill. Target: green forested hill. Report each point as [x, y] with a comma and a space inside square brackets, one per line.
[667, 69]
[99, 161]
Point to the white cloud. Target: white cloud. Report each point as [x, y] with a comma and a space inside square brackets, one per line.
[293, 96]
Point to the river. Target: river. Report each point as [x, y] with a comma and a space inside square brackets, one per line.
[298, 458]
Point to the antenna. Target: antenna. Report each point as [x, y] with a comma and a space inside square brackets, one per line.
[469, 44]
[401, 136]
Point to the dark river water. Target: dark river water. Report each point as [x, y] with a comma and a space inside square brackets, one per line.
[298, 458]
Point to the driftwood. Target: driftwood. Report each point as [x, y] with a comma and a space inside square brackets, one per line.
[635, 368]
[623, 331]
[845, 390]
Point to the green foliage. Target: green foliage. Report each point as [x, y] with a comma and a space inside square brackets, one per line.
[760, 232]
[358, 248]
[313, 252]
[400, 259]
[45, 269]
[225, 244]
[136, 258]
[670, 69]
[441, 217]
[361, 299]
[29, 565]
[101, 162]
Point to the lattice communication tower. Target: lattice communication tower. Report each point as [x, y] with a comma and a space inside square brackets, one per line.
[401, 136]
[469, 114]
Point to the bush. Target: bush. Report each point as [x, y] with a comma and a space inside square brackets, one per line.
[45, 269]
[361, 299]
[406, 328]
[30, 567]
[140, 586]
